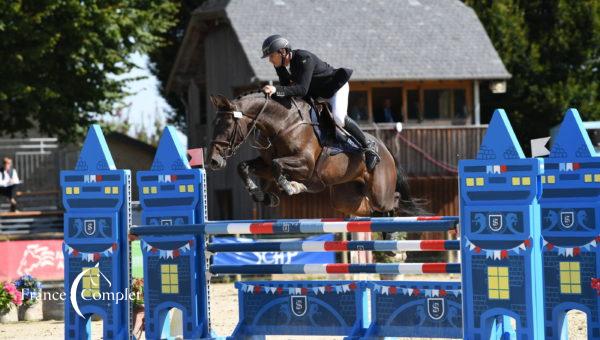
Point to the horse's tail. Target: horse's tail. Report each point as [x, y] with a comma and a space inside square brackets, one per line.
[406, 205]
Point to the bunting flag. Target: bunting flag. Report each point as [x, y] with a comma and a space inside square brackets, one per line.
[596, 285]
[337, 289]
[498, 254]
[167, 253]
[495, 169]
[568, 166]
[90, 257]
[394, 290]
[571, 251]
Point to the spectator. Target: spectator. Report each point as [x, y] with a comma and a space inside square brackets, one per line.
[8, 182]
[388, 113]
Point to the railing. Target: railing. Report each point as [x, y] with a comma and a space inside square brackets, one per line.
[37, 161]
[29, 145]
[429, 150]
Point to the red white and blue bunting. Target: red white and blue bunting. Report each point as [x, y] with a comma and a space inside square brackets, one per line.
[167, 253]
[572, 251]
[498, 254]
[393, 290]
[327, 289]
[90, 257]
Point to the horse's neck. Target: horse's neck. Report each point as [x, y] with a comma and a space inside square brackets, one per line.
[274, 119]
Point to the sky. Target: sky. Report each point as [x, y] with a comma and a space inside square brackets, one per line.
[145, 104]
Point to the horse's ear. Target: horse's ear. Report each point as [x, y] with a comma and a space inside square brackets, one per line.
[221, 102]
[213, 100]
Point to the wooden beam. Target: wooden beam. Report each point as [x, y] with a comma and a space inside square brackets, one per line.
[404, 105]
[469, 102]
[370, 104]
[421, 104]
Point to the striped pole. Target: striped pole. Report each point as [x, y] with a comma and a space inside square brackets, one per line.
[391, 224]
[358, 218]
[339, 268]
[321, 246]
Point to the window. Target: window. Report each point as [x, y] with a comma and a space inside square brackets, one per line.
[357, 106]
[445, 104]
[387, 104]
[460, 104]
[437, 104]
[498, 283]
[570, 278]
[91, 281]
[412, 99]
[168, 279]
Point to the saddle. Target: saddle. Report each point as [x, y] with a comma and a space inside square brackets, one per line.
[330, 136]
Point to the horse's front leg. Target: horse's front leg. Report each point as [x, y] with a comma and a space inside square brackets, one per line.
[297, 168]
[261, 169]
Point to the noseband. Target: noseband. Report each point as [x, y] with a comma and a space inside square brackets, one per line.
[230, 145]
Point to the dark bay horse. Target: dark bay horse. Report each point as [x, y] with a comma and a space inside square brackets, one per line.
[292, 160]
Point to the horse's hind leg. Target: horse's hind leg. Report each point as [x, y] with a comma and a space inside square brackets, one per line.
[381, 185]
[349, 199]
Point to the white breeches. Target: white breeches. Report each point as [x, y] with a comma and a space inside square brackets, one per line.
[339, 104]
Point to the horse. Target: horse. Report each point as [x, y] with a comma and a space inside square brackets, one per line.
[292, 160]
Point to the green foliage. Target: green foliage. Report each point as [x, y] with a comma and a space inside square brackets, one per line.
[552, 50]
[63, 61]
[162, 59]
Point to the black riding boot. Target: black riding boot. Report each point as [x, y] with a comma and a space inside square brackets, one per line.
[371, 155]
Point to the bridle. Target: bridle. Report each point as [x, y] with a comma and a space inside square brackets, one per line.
[231, 146]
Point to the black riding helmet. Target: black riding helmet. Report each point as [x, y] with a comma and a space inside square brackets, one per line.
[273, 44]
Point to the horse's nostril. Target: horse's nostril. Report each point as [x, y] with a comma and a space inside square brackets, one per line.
[216, 163]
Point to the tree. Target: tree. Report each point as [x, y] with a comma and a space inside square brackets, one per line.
[63, 61]
[552, 50]
[162, 59]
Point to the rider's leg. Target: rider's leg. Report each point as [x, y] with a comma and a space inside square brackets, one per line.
[339, 108]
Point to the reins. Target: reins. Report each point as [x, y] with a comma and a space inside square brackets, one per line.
[231, 144]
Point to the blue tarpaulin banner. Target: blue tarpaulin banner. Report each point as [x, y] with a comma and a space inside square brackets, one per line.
[288, 257]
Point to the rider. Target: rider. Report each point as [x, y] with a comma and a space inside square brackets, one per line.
[303, 74]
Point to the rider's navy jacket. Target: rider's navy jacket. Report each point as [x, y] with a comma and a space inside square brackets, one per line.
[310, 77]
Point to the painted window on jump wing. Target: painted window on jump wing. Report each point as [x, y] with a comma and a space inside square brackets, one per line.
[570, 278]
[91, 282]
[498, 288]
[168, 279]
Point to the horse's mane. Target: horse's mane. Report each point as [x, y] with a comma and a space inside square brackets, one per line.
[285, 101]
[253, 93]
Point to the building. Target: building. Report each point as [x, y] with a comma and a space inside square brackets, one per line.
[426, 60]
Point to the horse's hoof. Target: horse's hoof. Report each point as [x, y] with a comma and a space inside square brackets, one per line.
[257, 195]
[271, 200]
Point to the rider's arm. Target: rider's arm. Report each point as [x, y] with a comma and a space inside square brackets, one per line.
[306, 67]
[284, 75]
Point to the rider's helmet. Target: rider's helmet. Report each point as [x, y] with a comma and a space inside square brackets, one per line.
[273, 44]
